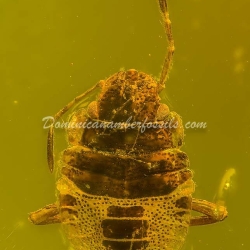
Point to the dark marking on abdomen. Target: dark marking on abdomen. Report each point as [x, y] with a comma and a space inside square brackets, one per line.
[124, 229]
[116, 211]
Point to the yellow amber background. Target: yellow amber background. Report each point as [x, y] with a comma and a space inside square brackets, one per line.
[51, 51]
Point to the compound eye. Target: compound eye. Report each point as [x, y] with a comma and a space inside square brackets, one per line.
[92, 110]
[162, 112]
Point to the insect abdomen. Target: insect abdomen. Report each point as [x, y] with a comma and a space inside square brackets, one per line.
[162, 225]
[113, 201]
[125, 228]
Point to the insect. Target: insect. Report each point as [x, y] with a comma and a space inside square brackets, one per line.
[121, 187]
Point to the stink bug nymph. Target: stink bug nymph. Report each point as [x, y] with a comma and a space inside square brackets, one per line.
[121, 188]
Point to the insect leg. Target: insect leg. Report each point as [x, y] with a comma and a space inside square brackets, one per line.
[46, 215]
[170, 51]
[212, 212]
[50, 138]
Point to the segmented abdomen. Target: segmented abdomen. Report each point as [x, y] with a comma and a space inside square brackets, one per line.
[115, 202]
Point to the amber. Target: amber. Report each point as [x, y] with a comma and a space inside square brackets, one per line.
[123, 181]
